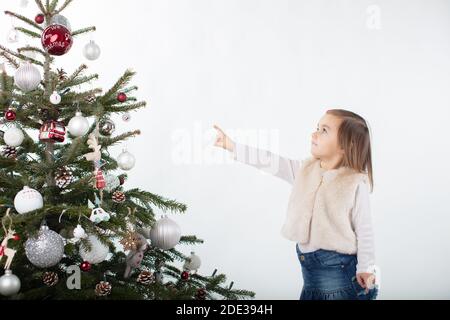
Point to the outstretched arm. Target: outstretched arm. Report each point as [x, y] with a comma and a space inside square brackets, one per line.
[263, 160]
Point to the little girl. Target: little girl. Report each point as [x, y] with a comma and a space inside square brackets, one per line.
[328, 212]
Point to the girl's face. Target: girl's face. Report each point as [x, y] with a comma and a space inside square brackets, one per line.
[324, 143]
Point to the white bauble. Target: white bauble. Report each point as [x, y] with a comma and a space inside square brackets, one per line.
[192, 263]
[98, 251]
[91, 51]
[13, 137]
[55, 98]
[9, 284]
[28, 200]
[78, 125]
[27, 77]
[165, 234]
[61, 20]
[126, 161]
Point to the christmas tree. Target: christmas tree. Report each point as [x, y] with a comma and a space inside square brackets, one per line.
[70, 229]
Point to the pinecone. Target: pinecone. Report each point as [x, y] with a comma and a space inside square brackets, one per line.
[50, 278]
[118, 197]
[9, 152]
[90, 98]
[146, 278]
[103, 289]
[62, 75]
[201, 294]
[63, 177]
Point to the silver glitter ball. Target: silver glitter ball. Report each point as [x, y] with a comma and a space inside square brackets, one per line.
[46, 250]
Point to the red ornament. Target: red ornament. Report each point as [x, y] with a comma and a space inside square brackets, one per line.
[16, 237]
[52, 131]
[10, 115]
[39, 18]
[56, 39]
[122, 97]
[100, 182]
[185, 275]
[85, 266]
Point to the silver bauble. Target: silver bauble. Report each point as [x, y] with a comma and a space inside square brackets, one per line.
[9, 284]
[165, 234]
[46, 250]
[91, 51]
[192, 263]
[61, 20]
[126, 161]
[27, 78]
[98, 252]
[106, 127]
[112, 182]
[13, 137]
[78, 126]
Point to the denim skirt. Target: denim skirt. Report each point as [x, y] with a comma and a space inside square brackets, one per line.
[329, 275]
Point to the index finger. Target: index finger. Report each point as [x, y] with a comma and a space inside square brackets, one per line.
[218, 129]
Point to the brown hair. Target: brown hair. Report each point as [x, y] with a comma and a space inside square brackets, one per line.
[354, 138]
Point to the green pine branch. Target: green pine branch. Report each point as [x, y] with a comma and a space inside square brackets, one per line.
[122, 82]
[24, 19]
[82, 31]
[28, 32]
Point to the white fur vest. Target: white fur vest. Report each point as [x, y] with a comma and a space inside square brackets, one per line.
[320, 206]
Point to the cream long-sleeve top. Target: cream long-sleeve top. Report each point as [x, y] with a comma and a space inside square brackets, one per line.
[286, 170]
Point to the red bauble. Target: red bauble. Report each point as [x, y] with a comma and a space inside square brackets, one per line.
[185, 275]
[122, 97]
[39, 18]
[85, 266]
[16, 237]
[56, 39]
[10, 115]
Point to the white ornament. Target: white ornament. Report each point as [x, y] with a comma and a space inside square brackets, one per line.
[13, 36]
[13, 137]
[99, 215]
[91, 51]
[126, 161]
[79, 232]
[23, 3]
[165, 234]
[112, 182]
[28, 200]
[192, 263]
[61, 20]
[27, 77]
[55, 98]
[9, 284]
[98, 252]
[78, 125]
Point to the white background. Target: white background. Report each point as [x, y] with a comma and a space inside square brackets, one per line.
[277, 66]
